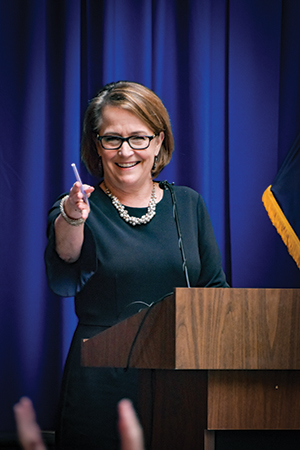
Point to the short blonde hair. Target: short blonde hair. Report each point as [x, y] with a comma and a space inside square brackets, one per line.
[137, 99]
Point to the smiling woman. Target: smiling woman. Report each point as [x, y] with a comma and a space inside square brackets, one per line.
[140, 102]
[121, 250]
[128, 161]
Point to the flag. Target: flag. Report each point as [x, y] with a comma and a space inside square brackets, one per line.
[282, 201]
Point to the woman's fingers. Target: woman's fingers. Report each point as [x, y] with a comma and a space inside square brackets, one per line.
[76, 205]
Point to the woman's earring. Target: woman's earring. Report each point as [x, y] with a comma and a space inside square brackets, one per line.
[154, 164]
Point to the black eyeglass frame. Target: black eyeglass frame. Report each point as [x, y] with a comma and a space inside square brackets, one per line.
[126, 139]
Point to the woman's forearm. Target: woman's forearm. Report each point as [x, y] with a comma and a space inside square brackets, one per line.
[69, 240]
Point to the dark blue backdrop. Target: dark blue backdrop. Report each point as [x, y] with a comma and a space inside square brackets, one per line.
[228, 72]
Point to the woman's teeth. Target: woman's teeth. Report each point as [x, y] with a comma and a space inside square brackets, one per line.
[127, 165]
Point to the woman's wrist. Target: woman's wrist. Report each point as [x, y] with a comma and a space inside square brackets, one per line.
[67, 218]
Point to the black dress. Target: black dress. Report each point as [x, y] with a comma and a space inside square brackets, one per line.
[122, 269]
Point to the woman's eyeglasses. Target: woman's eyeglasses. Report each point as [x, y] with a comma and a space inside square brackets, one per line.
[135, 142]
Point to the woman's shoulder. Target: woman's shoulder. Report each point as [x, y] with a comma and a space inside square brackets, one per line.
[186, 197]
[185, 190]
[186, 193]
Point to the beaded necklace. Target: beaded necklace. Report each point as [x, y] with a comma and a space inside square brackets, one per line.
[124, 213]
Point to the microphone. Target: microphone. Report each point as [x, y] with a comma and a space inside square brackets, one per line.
[165, 185]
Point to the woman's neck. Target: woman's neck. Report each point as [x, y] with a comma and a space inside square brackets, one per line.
[133, 196]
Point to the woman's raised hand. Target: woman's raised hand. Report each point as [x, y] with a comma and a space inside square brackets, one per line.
[75, 206]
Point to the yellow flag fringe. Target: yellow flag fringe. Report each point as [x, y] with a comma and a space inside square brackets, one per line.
[282, 225]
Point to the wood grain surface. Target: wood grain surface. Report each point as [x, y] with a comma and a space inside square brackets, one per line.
[254, 400]
[238, 329]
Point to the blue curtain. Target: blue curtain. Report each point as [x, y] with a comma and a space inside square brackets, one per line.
[228, 72]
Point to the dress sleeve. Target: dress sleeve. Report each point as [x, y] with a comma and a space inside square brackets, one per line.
[212, 274]
[67, 279]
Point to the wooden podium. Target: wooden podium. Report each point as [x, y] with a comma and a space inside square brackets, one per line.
[211, 359]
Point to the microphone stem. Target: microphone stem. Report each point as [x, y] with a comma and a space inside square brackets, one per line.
[165, 185]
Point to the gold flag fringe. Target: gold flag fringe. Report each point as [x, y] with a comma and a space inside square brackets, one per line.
[282, 225]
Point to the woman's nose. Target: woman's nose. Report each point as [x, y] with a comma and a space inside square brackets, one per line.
[125, 149]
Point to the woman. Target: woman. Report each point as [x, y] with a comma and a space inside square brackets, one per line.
[115, 259]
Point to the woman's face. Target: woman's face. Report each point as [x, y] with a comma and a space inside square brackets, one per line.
[126, 168]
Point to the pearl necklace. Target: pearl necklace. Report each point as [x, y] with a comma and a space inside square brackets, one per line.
[124, 213]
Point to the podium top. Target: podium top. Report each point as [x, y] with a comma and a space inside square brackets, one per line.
[206, 329]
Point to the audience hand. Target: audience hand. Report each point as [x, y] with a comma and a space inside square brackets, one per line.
[30, 436]
[29, 432]
[130, 430]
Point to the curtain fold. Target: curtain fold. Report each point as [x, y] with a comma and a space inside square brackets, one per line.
[228, 73]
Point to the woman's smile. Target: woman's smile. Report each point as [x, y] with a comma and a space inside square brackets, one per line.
[127, 165]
